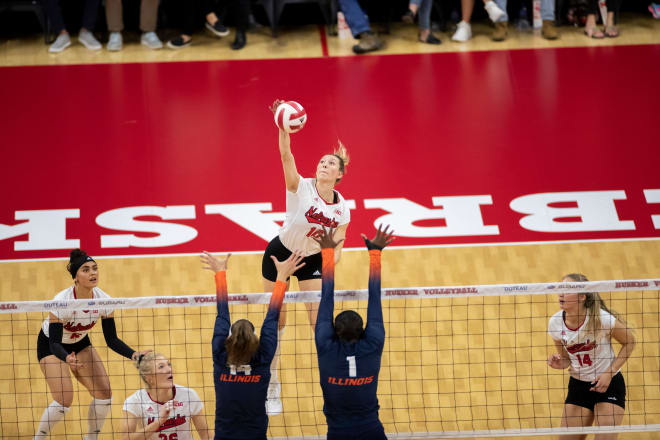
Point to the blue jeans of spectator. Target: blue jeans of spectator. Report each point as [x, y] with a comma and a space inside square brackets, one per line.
[54, 13]
[356, 19]
[547, 10]
[423, 12]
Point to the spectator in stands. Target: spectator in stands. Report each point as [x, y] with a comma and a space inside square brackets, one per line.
[423, 7]
[148, 18]
[358, 21]
[54, 15]
[610, 30]
[548, 31]
[464, 30]
[213, 22]
[654, 9]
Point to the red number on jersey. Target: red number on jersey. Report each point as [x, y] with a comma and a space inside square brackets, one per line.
[584, 360]
[314, 233]
[172, 436]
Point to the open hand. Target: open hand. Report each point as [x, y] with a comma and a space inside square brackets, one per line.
[326, 238]
[382, 238]
[276, 103]
[287, 267]
[213, 263]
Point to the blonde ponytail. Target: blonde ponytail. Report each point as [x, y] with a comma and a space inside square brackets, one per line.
[145, 364]
[341, 153]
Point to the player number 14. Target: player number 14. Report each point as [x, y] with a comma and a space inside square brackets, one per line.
[584, 360]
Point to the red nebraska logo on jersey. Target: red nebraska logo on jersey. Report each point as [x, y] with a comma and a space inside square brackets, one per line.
[78, 327]
[577, 348]
[169, 423]
[319, 219]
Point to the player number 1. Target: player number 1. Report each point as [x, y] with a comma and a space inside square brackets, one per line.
[352, 366]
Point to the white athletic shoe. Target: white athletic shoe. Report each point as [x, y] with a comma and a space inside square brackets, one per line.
[494, 11]
[62, 42]
[273, 407]
[463, 32]
[89, 40]
[115, 42]
[273, 402]
[151, 40]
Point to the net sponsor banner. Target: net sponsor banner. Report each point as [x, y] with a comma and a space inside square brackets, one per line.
[140, 175]
[340, 295]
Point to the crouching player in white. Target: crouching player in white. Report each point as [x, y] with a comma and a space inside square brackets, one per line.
[162, 410]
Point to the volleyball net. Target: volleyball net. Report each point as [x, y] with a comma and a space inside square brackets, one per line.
[465, 361]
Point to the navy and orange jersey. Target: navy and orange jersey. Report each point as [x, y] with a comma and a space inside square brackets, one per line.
[240, 390]
[349, 371]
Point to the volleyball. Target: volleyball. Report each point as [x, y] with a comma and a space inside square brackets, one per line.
[290, 116]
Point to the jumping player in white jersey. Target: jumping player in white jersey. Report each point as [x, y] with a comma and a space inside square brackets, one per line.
[582, 332]
[162, 410]
[311, 205]
[63, 345]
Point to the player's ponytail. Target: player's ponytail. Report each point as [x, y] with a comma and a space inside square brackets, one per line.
[242, 343]
[145, 364]
[341, 153]
[594, 304]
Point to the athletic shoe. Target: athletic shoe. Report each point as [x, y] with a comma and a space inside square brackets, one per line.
[654, 9]
[151, 40]
[88, 40]
[463, 32]
[62, 42]
[218, 29]
[115, 42]
[494, 11]
[178, 43]
[274, 407]
[273, 402]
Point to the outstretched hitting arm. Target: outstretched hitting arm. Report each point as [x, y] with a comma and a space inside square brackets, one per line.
[375, 328]
[291, 176]
[222, 323]
[324, 328]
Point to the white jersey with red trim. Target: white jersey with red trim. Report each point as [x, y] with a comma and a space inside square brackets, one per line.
[77, 323]
[186, 404]
[307, 213]
[589, 357]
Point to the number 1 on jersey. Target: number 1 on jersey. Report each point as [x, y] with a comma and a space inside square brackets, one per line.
[352, 366]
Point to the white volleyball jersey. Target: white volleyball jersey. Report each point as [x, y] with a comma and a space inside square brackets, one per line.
[186, 404]
[77, 323]
[589, 357]
[306, 214]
